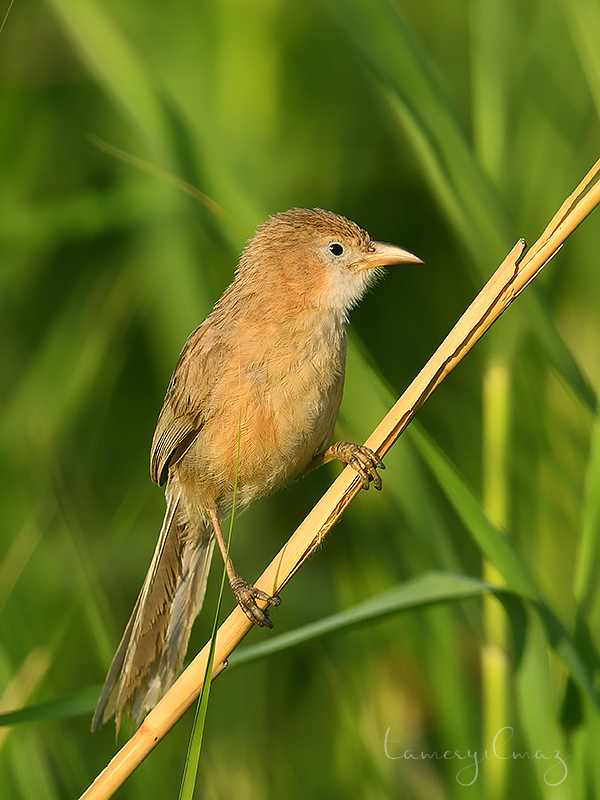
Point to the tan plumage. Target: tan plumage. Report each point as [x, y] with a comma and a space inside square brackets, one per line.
[265, 372]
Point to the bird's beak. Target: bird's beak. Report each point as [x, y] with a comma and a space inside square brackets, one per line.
[382, 254]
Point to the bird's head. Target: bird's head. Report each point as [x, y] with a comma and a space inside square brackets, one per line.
[317, 258]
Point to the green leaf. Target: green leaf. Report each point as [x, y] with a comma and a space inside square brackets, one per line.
[75, 704]
[435, 587]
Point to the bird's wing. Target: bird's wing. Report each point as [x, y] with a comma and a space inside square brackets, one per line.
[186, 404]
[173, 438]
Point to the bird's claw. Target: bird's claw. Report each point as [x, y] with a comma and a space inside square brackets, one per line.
[363, 460]
[246, 595]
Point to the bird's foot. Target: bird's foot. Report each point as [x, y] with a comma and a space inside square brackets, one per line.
[363, 460]
[246, 595]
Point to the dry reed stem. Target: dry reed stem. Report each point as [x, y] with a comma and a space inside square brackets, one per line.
[511, 277]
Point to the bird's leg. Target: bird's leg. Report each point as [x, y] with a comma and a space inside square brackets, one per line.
[245, 593]
[363, 460]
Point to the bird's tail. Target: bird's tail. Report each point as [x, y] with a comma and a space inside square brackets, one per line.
[155, 640]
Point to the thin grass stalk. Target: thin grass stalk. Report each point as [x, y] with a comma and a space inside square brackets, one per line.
[588, 556]
[491, 61]
[3, 23]
[190, 772]
[494, 660]
[509, 280]
[161, 174]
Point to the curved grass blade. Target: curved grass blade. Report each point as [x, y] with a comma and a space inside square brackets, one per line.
[75, 704]
[499, 551]
[429, 589]
[161, 174]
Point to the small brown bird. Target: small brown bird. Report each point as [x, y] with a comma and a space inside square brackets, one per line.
[256, 392]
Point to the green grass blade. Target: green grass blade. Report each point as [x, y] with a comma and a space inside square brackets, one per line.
[583, 17]
[492, 38]
[435, 587]
[114, 61]
[537, 712]
[192, 760]
[367, 399]
[500, 552]
[588, 560]
[430, 589]
[496, 547]
[75, 704]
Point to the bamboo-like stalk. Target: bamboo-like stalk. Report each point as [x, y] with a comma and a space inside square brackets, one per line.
[511, 277]
[495, 669]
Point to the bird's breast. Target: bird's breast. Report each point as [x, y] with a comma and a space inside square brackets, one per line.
[275, 407]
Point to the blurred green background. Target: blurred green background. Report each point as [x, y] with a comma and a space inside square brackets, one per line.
[451, 128]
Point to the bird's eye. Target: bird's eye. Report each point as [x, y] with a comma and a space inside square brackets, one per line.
[336, 248]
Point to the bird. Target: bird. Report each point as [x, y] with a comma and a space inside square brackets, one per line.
[251, 406]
